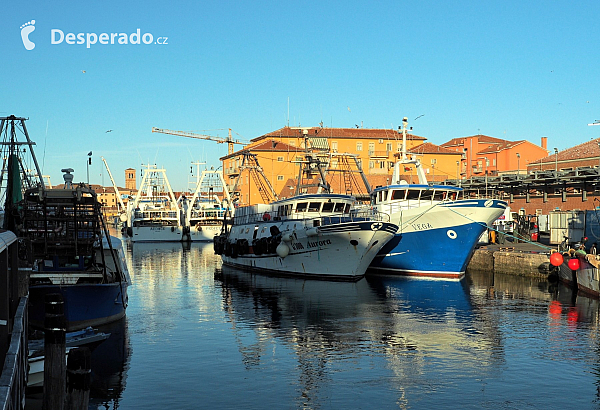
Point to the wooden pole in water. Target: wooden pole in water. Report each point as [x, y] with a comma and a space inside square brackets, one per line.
[55, 351]
[79, 373]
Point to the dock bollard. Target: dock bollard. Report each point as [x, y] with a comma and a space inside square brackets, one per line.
[55, 328]
[79, 373]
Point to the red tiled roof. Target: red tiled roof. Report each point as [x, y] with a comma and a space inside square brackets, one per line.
[272, 145]
[481, 138]
[588, 149]
[500, 146]
[368, 133]
[429, 148]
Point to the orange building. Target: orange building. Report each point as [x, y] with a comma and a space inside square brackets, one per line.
[483, 155]
[279, 153]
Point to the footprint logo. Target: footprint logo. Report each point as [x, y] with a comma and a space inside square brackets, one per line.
[26, 29]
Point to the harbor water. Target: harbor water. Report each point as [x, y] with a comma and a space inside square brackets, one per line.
[199, 335]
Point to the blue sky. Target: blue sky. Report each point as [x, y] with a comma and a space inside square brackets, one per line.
[509, 69]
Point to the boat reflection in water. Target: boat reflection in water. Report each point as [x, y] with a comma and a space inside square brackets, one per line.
[109, 365]
[110, 362]
[337, 330]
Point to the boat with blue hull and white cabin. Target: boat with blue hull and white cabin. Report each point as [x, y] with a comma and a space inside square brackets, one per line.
[437, 231]
[64, 244]
[65, 237]
[313, 235]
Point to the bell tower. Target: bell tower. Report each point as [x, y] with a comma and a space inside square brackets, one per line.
[130, 182]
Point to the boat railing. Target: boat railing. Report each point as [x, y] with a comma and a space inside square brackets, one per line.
[316, 218]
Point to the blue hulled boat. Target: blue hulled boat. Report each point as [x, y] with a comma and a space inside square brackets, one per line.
[437, 231]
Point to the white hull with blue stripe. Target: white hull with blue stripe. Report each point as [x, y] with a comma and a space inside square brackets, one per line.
[437, 232]
[435, 238]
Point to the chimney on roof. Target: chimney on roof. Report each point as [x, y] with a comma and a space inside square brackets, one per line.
[545, 143]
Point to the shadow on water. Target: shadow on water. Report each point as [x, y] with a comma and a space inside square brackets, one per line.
[109, 364]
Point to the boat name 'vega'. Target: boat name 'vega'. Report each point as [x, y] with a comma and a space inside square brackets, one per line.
[298, 245]
[421, 227]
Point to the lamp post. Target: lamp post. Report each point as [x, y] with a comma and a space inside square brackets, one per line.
[518, 163]
[487, 164]
[555, 161]
[457, 165]
[89, 162]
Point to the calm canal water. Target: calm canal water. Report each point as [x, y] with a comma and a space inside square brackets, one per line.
[198, 335]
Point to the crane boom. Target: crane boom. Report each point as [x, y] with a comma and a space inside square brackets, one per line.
[114, 186]
[229, 140]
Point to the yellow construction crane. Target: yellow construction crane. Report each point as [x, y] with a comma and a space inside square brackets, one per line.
[219, 140]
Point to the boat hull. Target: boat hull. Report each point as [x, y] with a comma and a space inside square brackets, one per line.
[204, 233]
[586, 278]
[436, 241]
[156, 234]
[335, 252]
[84, 304]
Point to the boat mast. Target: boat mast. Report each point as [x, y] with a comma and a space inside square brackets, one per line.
[405, 161]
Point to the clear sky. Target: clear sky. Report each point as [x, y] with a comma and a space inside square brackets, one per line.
[509, 69]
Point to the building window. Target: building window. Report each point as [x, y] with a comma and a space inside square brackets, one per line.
[359, 146]
[388, 146]
[371, 164]
[371, 148]
[334, 146]
[381, 164]
[381, 140]
[334, 163]
[279, 159]
[280, 177]
[399, 146]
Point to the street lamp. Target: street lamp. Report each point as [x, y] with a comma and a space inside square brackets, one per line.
[555, 161]
[487, 164]
[89, 162]
[518, 163]
[457, 180]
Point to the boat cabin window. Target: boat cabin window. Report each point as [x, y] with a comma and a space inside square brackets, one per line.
[314, 207]
[399, 194]
[413, 194]
[426, 195]
[301, 206]
[347, 209]
[440, 195]
[453, 195]
[327, 207]
[339, 207]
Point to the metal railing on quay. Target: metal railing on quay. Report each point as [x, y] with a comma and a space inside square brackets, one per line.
[13, 381]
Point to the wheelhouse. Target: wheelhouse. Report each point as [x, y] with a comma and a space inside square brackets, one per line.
[414, 195]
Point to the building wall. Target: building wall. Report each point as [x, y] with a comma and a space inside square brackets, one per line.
[375, 154]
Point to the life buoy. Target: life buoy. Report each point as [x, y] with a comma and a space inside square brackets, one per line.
[266, 216]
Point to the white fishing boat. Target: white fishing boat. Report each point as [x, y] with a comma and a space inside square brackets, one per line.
[208, 207]
[154, 215]
[306, 235]
[437, 231]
